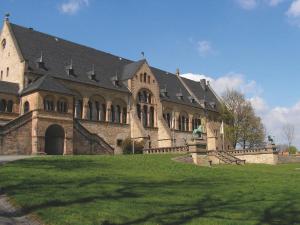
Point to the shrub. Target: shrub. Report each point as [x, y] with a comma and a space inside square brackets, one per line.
[127, 146]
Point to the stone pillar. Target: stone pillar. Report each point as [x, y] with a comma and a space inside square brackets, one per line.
[108, 108]
[85, 107]
[176, 127]
[190, 122]
[121, 116]
[148, 116]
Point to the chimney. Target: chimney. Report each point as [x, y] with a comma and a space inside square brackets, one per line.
[6, 17]
[177, 72]
[203, 84]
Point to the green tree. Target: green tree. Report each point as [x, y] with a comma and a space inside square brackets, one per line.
[292, 150]
[127, 146]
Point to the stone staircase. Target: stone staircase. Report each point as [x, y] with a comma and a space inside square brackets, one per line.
[228, 158]
[16, 123]
[93, 138]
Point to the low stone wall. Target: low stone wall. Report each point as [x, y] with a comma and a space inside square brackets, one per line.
[288, 159]
[264, 155]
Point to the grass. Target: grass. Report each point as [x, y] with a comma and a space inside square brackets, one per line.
[141, 189]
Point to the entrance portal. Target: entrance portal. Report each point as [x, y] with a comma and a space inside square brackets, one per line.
[54, 140]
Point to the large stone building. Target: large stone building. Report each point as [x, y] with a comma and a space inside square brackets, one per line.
[58, 97]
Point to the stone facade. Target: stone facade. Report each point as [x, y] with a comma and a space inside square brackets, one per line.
[92, 119]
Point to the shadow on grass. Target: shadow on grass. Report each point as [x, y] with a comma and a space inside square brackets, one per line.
[133, 189]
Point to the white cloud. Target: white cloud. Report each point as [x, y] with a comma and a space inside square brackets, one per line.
[73, 6]
[229, 81]
[247, 4]
[272, 117]
[274, 2]
[294, 9]
[252, 4]
[275, 118]
[205, 48]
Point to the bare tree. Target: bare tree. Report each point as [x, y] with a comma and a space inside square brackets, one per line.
[288, 131]
[244, 127]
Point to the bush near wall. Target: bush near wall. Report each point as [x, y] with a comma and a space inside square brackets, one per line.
[127, 146]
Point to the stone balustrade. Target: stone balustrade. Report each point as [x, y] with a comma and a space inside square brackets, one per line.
[165, 150]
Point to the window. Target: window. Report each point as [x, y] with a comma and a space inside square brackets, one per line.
[141, 77]
[124, 120]
[3, 43]
[62, 106]
[145, 77]
[26, 107]
[48, 104]
[78, 108]
[118, 114]
[2, 105]
[9, 107]
[113, 116]
[7, 71]
[90, 104]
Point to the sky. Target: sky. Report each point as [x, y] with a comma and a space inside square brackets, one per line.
[248, 45]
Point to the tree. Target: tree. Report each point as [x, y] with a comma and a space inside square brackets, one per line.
[288, 132]
[243, 128]
[292, 150]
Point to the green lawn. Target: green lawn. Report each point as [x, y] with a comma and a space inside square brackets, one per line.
[141, 189]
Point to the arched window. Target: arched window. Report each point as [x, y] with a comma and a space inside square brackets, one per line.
[3, 43]
[145, 77]
[151, 116]
[168, 119]
[78, 108]
[62, 106]
[26, 107]
[2, 105]
[141, 77]
[7, 71]
[9, 107]
[90, 114]
[98, 110]
[103, 118]
[118, 114]
[124, 119]
[48, 104]
[145, 116]
[112, 112]
[138, 109]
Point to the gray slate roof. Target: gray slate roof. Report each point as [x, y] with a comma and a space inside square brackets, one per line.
[58, 54]
[46, 83]
[9, 88]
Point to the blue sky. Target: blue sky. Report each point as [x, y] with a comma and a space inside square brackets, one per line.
[247, 44]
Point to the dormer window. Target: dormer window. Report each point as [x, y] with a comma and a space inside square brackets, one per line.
[115, 81]
[40, 62]
[164, 92]
[191, 98]
[213, 105]
[70, 69]
[3, 43]
[92, 75]
[179, 95]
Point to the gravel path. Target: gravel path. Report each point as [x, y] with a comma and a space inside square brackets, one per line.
[9, 215]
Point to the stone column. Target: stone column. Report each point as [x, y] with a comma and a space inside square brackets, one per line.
[108, 108]
[148, 116]
[176, 120]
[121, 116]
[85, 107]
[190, 122]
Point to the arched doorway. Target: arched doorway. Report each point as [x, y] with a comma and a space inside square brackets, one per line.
[54, 140]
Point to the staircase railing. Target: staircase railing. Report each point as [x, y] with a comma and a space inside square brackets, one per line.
[93, 137]
[228, 158]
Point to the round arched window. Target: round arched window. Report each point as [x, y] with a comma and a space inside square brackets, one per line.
[3, 43]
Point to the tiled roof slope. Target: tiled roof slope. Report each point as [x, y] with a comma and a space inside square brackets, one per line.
[58, 54]
[9, 88]
[46, 83]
